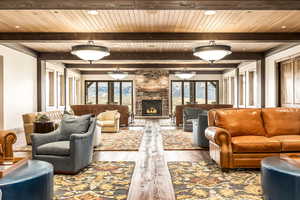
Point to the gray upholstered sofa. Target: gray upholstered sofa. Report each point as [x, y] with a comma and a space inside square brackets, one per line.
[67, 154]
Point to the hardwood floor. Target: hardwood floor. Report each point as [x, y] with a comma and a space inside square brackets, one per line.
[151, 179]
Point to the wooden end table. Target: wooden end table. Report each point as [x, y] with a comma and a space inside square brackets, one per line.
[43, 127]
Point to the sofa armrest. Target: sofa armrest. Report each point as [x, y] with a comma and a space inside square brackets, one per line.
[218, 135]
[7, 139]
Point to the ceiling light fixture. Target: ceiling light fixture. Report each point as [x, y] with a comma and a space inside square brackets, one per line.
[184, 74]
[283, 27]
[90, 52]
[210, 12]
[212, 52]
[92, 12]
[17, 27]
[118, 74]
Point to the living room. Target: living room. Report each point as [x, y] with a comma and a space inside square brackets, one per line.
[149, 100]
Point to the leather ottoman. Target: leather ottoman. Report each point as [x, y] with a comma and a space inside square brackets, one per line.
[33, 181]
[280, 178]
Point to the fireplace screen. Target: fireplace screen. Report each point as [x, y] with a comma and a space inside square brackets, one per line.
[151, 108]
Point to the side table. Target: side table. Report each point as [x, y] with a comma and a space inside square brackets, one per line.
[43, 127]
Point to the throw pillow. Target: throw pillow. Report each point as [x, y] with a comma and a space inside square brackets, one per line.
[74, 124]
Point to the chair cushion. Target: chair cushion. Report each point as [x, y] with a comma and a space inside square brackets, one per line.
[288, 142]
[253, 144]
[240, 122]
[107, 123]
[73, 124]
[60, 148]
[281, 121]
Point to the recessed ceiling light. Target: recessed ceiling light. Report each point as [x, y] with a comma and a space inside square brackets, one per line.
[92, 12]
[17, 27]
[283, 27]
[210, 12]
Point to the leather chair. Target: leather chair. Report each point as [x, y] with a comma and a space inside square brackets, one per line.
[68, 156]
[241, 138]
[96, 109]
[7, 139]
[109, 121]
[179, 110]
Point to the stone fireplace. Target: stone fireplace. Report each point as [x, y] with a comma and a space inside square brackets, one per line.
[152, 86]
[151, 108]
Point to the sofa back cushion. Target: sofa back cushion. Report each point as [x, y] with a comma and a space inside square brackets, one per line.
[240, 122]
[191, 113]
[281, 121]
[71, 124]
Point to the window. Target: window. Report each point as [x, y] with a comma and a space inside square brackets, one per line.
[251, 88]
[71, 92]
[109, 92]
[232, 91]
[201, 92]
[242, 90]
[77, 91]
[50, 88]
[61, 90]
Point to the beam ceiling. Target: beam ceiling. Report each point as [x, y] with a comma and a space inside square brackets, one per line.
[150, 56]
[42, 37]
[133, 72]
[144, 66]
[152, 4]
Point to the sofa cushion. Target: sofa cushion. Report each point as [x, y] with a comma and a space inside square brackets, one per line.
[74, 124]
[240, 122]
[281, 121]
[289, 143]
[60, 148]
[254, 144]
[107, 123]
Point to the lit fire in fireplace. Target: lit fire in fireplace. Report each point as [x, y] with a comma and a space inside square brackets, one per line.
[151, 110]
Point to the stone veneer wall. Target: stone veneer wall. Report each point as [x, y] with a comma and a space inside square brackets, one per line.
[152, 85]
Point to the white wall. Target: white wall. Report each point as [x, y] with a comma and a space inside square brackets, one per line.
[271, 84]
[20, 86]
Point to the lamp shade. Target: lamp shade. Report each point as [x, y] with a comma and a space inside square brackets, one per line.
[213, 52]
[118, 75]
[90, 52]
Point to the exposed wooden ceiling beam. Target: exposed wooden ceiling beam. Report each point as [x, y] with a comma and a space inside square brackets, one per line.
[133, 72]
[153, 4]
[23, 37]
[143, 66]
[148, 56]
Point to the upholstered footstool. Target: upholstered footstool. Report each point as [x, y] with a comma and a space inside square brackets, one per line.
[33, 181]
[280, 178]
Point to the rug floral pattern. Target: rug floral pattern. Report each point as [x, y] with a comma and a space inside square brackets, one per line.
[201, 180]
[100, 181]
[125, 140]
[177, 139]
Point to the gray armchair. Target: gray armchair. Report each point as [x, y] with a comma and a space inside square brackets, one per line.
[67, 155]
[189, 114]
[199, 126]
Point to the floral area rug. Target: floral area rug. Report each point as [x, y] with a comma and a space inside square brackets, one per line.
[177, 139]
[201, 180]
[125, 140]
[100, 181]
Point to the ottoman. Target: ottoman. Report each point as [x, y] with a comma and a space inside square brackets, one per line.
[32, 181]
[280, 178]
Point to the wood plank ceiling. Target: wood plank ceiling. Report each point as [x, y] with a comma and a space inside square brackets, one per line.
[148, 21]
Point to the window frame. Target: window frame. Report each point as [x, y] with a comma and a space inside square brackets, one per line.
[193, 90]
[110, 90]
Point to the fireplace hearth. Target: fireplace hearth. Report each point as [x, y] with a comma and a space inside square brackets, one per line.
[151, 107]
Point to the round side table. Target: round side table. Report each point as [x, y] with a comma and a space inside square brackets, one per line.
[33, 181]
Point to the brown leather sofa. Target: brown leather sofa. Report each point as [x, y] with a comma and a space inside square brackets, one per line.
[7, 139]
[241, 138]
[29, 118]
[179, 110]
[96, 109]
